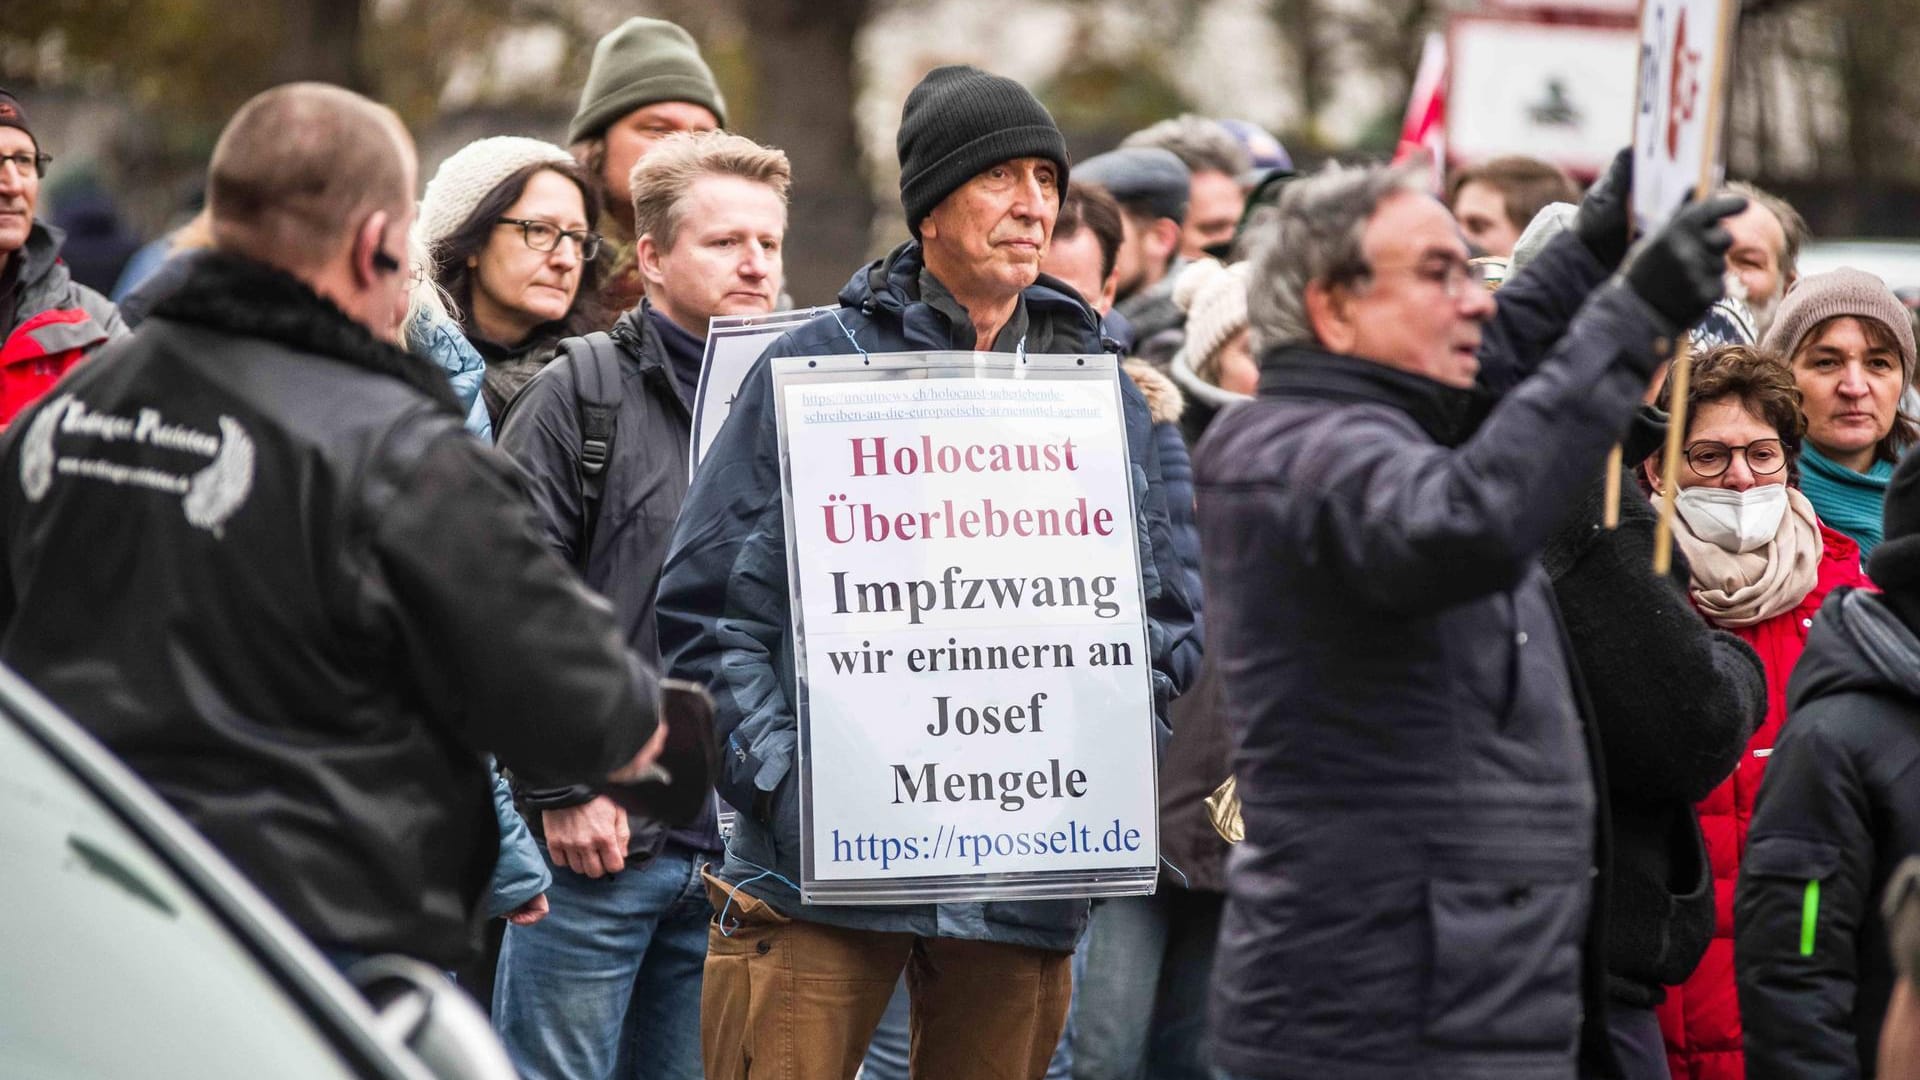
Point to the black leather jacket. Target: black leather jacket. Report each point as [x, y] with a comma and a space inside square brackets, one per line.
[253, 551]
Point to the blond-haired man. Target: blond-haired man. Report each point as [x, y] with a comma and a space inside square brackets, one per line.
[623, 950]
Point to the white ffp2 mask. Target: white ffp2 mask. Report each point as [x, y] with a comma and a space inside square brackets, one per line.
[1736, 521]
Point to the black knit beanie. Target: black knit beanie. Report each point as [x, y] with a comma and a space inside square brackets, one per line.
[14, 116]
[1895, 562]
[961, 120]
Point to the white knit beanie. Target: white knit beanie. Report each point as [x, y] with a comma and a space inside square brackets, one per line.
[1215, 300]
[472, 173]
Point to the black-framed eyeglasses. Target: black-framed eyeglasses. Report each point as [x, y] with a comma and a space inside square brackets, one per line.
[22, 161]
[544, 236]
[1709, 459]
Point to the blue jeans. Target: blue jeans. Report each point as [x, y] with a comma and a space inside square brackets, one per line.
[1139, 1007]
[608, 984]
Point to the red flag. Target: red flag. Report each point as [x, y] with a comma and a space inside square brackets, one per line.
[1424, 131]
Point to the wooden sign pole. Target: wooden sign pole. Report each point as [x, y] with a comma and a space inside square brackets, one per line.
[1676, 450]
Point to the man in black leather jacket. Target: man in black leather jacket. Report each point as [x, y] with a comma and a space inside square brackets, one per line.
[253, 551]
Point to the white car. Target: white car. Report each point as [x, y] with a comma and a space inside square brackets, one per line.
[1897, 262]
[130, 948]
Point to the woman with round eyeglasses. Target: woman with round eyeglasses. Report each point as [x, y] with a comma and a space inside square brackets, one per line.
[1850, 344]
[1759, 563]
[511, 231]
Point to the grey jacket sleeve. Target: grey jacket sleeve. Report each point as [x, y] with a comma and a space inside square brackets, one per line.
[1415, 526]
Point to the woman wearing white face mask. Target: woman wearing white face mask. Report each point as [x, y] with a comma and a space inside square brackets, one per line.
[1759, 563]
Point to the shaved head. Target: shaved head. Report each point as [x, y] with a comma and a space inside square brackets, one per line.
[299, 167]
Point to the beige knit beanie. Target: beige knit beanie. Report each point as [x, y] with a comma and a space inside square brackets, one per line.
[1818, 297]
[471, 174]
[1215, 300]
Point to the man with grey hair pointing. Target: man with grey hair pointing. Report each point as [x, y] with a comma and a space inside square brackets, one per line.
[1413, 763]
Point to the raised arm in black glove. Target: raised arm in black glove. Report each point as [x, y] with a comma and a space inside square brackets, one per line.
[1601, 223]
[1681, 271]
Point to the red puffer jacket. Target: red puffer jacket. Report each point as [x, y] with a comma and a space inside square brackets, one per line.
[1701, 1017]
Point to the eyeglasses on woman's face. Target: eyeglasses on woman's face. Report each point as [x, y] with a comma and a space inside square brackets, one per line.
[1709, 459]
[545, 236]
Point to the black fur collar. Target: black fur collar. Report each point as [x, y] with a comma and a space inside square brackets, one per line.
[250, 298]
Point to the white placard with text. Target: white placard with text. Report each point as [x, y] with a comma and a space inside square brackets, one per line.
[976, 703]
[734, 343]
[1680, 104]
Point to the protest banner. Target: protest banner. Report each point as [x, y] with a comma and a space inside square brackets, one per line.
[973, 672]
[734, 343]
[1680, 105]
[1686, 47]
[1557, 88]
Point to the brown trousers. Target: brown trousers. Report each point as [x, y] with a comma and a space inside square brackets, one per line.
[796, 1000]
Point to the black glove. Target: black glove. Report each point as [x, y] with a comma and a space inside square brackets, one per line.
[1601, 223]
[1681, 271]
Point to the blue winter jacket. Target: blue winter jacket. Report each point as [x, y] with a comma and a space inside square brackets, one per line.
[521, 873]
[441, 341]
[725, 622]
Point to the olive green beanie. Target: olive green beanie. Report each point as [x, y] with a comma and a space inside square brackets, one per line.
[644, 62]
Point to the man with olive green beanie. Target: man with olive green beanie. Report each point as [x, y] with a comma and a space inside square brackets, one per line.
[647, 81]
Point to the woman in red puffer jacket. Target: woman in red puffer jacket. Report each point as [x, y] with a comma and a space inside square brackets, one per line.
[1761, 564]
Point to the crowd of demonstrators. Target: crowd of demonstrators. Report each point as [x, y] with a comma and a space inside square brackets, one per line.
[48, 321]
[609, 983]
[1501, 783]
[1496, 200]
[1838, 814]
[1760, 565]
[352, 605]
[1851, 347]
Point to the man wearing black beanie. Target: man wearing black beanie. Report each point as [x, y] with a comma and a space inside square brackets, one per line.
[796, 990]
[1837, 813]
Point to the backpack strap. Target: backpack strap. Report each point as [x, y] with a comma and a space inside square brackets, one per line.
[596, 382]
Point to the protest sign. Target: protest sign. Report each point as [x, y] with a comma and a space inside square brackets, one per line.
[974, 681]
[1680, 105]
[734, 342]
[1558, 90]
[1679, 121]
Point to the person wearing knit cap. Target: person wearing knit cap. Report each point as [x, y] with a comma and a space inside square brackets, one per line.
[1151, 185]
[1851, 347]
[1838, 814]
[509, 223]
[647, 80]
[1215, 366]
[796, 989]
[45, 315]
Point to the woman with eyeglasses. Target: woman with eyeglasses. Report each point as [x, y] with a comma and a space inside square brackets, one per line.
[1849, 341]
[1759, 563]
[511, 231]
